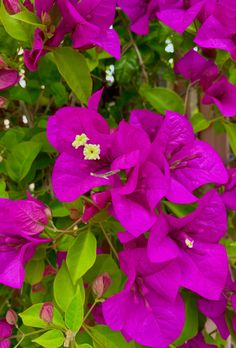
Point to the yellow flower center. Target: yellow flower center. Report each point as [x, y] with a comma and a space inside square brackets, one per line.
[189, 243]
[80, 140]
[91, 152]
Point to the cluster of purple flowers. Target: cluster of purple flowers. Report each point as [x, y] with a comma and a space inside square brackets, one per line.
[21, 223]
[216, 18]
[88, 22]
[217, 89]
[137, 166]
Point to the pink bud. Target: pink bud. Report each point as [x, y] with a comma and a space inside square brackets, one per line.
[3, 102]
[3, 64]
[46, 312]
[12, 6]
[11, 317]
[101, 284]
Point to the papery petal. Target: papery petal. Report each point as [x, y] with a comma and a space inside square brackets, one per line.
[161, 247]
[180, 19]
[223, 94]
[72, 177]
[94, 100]
[212, 34]
[109, 42]
[147, 120]
[8, 78]
[200, 165]
[204, 269]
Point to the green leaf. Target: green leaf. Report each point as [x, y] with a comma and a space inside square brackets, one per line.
[16, 29]
[199, 122]
[75, 313]
[85, 345]
[63, 288]
[73, 67]
[30, 317]
[28, 17]
[12, 137]
[81, 255]
[19, 162]
[53, 338]
[108, 338]
[41, 138]
[162, 99]
[34, 271]
[3, 193]
[231, 131]
[191, 319]
[180, 210]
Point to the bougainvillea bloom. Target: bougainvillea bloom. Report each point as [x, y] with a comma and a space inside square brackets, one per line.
[194, 240]
[190, 163]
[90, 24]
[215, 34]
[8, 77]
[217, 90]
[178, 15]
[149, 309]
[12, 6]
[77, 171]
[20, 224]
[140, 13]
[197, 342]
[5, 332]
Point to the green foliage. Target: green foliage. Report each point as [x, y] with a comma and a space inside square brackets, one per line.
[21, 159]
[73, 67]
[52, 338]
[81, 255]
[75, 313]
[162, 99]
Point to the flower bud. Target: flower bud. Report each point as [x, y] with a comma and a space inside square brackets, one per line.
[101, 284]
[11, 317]
[3, 102]
[12, 6]
[46, 312]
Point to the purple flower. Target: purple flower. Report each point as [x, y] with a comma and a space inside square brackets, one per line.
[8, 77]
[5, 332]
[194, 240]
[147, 120]
[217, 310]
[134, 203]
[197, 342]
[43, 6]
[215, 33]
[178, 15]
[218, 90]
[140, 13]
[149, 309]
[91, 155]
[90, 24]
[223, 94]
[229, 194]
[31, 57]
[20, 224]
[196, 68]
[190, 163]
